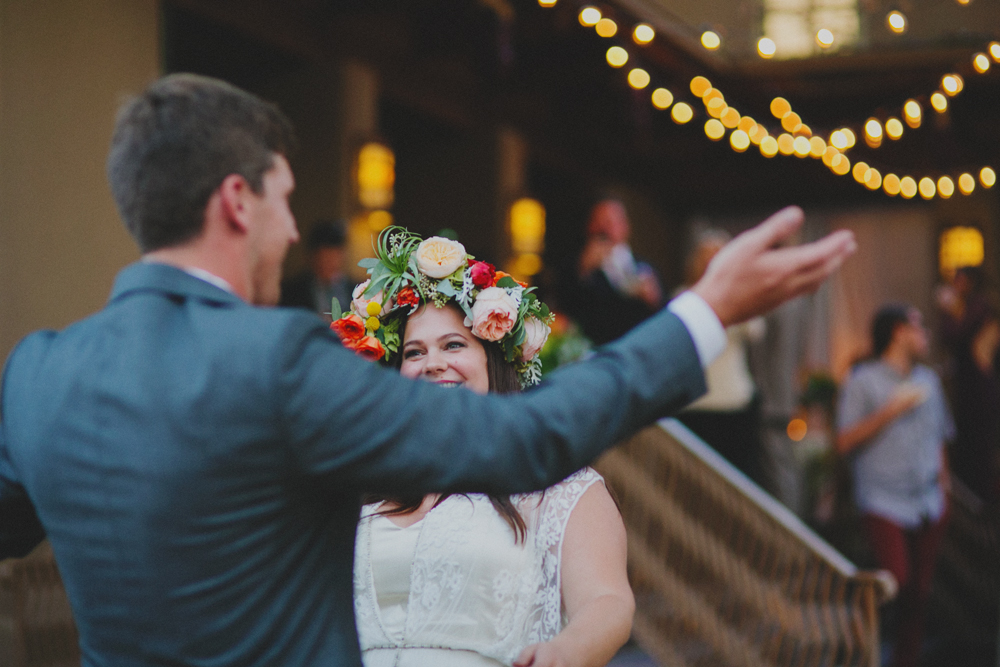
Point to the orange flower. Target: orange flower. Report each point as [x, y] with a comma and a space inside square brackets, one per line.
[503, 274]
[350, 328]
[370, 348]
[407, 297]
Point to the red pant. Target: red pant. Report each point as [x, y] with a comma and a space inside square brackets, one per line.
[910, 555]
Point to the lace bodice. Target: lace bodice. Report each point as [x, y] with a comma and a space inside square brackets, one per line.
[475, 596]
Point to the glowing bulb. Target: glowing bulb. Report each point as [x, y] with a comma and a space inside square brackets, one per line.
[711, 40]
[952, 84]
[547, 3]
[894, 128]
[790, 121]
[939, 102]
[817, 147]
[643, 34]
[786, 144]
[759, 134]
[681, 113]
[589, 16]
[712, 94]
[981, 63]
[841, 165]
[945, 187]
[739, 140]
[716, 107]
[896, 21]
[662, 98]
[780, 107]
[912, 113]
[638, 78]
[987, 177]
[824, 38]
[995, 51]
[700, 86]
[730, 118]
[801, 146]
[606, 28]
[927, 188]
[714, 129]
[963, 2]
[768, 146]
[747, 124]
[873, 129]
[828, 155]
[802, 130]
[891, 184]
[850, 136]
[766, 47]
[907, 187]
[873, 179]
[860, 171]
[838, 139]
[966, 183]
[617, 56]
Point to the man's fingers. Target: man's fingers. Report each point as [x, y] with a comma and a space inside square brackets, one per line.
[809, 278]
[776, 228]
[805, 258]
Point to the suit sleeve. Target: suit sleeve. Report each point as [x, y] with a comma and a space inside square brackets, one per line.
[373, 430]
[20, 530]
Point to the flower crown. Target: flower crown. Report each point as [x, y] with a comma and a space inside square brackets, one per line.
[408, 271]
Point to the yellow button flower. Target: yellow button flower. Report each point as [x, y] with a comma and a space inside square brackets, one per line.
[372, 322]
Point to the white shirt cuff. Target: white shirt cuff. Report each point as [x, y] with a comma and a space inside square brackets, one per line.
[702, 323]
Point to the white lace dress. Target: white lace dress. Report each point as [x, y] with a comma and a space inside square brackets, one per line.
[454, 589]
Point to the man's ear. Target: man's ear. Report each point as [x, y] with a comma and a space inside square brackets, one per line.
[235, 196]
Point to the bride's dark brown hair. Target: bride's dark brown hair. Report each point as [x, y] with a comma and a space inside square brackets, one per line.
[502, 380]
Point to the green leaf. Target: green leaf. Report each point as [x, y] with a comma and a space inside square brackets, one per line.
[335, 310]
[368, 263]
[446, 288]
[506, 281]
[544, 312]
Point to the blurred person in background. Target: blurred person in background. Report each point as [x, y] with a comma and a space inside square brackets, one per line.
[615, 291]
[728, 416]
[325, 278]
[894, 423]
[970, 331]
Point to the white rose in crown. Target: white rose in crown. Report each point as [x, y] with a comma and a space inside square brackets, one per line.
[536, 333]
[439, 257]
[494, 314]
[359, 304]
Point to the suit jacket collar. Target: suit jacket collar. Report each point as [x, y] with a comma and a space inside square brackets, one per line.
[164, 278]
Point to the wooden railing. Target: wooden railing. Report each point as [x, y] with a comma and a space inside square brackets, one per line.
[723, 574]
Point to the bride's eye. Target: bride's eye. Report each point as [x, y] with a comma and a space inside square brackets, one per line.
[454, 344]
[411, 353]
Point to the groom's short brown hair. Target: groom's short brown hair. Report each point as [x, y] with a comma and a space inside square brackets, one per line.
[175, 143]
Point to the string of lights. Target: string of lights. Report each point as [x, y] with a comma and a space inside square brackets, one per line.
[798, 139]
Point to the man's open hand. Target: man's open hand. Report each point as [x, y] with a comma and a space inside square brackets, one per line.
[754, 273]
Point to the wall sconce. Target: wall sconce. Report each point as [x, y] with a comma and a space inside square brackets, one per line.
[375, 175]
[526, 221]
[959, 246]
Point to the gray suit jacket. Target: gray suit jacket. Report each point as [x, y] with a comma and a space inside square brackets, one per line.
[196, 463]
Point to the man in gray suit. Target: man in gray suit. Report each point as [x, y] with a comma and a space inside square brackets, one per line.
[196, 461]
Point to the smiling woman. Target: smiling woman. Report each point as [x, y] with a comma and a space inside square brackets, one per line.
[465, 580]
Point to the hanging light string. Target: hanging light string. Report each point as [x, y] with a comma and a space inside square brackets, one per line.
[798, 138]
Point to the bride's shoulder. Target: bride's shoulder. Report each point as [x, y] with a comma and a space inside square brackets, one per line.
[562, 495]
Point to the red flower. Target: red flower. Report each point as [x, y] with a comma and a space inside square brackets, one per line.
[350, 328]
[407, 297]
[483, 273]
[370, 348]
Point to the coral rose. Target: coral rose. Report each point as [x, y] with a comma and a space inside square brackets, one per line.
[494, 314]
[482, 274]
[349, 328]
[439, 257]
[370, 348]
[536, 333]
[359, 304]
[504, 274]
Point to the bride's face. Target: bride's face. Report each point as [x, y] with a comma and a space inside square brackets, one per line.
[439, 348]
